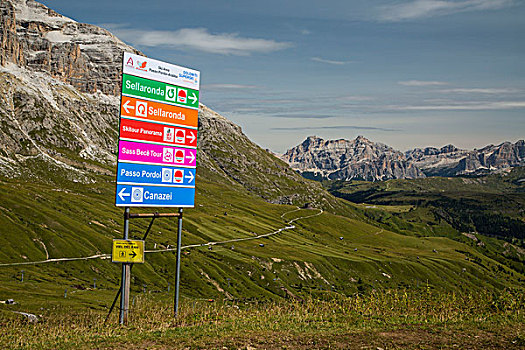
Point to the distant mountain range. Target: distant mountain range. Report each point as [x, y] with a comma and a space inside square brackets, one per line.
[366, 160]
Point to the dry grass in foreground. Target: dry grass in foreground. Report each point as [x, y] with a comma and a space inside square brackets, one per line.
[388, 319]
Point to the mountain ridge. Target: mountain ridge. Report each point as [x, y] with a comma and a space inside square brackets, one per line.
[363, 159]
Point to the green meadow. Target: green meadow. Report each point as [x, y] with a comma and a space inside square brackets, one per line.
[320, 276]
[345, 252]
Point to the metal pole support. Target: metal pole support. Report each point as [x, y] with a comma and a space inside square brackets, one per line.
[177, 266]
[124, 293]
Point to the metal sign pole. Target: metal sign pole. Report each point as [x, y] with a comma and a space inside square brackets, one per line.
[124, 294]
[177, 266]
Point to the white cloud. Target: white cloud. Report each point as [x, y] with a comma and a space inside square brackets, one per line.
[421, 83]
[201, 40]
[336, 127]
[479, 91]
[323, 60]
[113, 26]
[467, 106]
[228, 86]
[355, 98]
[429, 8]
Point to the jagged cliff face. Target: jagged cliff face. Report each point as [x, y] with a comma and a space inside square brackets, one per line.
[59, 98]
[432, 160]
[451, 161]
[10, 50]
[365, 160]
[82, 55]
[347, 160]
[43, 119]
[59, 81]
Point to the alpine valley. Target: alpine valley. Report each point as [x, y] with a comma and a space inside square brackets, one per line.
[259, 231]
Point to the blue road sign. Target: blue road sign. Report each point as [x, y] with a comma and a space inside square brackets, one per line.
[132, 173]
[154, 196]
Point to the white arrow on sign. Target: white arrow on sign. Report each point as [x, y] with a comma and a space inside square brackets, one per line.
[191, 157]
[191, 136]
[189, 176]
[193, 98]
[127, 105]
[121, 194]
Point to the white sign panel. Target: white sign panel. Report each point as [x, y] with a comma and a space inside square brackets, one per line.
[149, 68]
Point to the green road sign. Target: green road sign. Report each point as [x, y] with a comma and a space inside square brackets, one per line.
[154, 90]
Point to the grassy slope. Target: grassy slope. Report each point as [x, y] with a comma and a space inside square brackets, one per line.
[452, 207]
[393, 319]
[80, 220]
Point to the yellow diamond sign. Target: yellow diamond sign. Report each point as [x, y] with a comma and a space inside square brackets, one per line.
[127, 251]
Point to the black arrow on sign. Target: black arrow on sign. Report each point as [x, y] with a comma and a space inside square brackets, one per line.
[133, 254]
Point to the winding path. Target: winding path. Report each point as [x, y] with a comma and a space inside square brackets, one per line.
[288, 226]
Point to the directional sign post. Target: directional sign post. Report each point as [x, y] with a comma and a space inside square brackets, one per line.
[127, 251]
[157, 152]
[158, 134]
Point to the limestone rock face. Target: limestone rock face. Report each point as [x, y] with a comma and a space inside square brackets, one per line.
[10, 50]
[451, 161]
[436, 161]
[82, 55]
[346, 160]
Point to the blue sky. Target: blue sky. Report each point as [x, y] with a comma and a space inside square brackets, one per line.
[408, 73]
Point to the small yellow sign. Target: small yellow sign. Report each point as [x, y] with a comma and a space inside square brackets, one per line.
[127, 251]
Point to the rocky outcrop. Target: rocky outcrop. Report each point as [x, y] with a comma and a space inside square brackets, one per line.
[10, 50]
[504, 155]
[436, 161]
[451, 161]
[492, 158]
[82, 55]
[346, 160]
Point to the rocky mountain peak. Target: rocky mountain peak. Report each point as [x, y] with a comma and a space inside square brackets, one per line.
[30, 11]
[362, 139]
[452, 161]
[82, 55]
[364, 159]
[348, 159]
[312, 138]
[448, 149]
